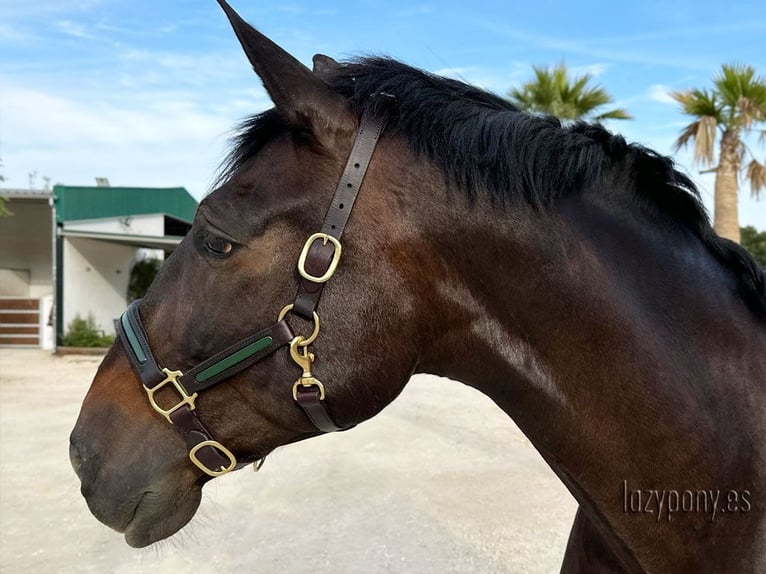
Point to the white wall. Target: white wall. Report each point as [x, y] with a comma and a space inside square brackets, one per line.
[152, 225]
[96, 275]
[47, 336]
[25, 245]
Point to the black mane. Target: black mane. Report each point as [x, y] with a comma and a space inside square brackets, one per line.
[483, 144]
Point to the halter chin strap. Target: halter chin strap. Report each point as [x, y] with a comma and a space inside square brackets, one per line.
[317, 263]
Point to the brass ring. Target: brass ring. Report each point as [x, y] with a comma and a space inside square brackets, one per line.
[306, 342]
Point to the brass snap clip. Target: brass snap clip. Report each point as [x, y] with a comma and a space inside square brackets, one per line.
[300, 354]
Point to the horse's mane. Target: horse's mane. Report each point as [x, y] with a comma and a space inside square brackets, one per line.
[484, 144]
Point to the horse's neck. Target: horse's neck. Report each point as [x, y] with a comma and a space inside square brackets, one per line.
[622, 352]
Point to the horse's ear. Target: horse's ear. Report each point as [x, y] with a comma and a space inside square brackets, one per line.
[325, 67]
[300, 96]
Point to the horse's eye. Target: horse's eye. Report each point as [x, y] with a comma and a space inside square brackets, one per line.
[218, 246]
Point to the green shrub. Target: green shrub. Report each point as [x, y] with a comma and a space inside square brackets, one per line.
[755, 242]
[141, 276]
[85, 333]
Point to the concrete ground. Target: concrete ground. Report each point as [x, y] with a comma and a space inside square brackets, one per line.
[422, 488]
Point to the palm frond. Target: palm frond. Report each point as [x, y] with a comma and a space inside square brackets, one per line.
[615, 114]
[742, 151]
[756, 175]
[703, 132]
[553, 92]
[704, 141]
[750, 110]
[729, 81]
[742, 93]
[686, 136]
[699, 103]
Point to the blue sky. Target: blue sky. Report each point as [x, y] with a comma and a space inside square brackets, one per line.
[146, 93]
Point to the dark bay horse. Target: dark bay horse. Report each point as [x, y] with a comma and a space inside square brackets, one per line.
[571, 277]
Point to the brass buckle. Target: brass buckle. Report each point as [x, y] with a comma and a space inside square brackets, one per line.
[219, 447]
[333, 264]
[186, 399]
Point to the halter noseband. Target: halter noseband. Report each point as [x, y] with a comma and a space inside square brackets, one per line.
[317, 264]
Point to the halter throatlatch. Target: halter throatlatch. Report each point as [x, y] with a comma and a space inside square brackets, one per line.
[317, 263]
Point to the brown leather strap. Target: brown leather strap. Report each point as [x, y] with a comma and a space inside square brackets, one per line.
[275, 336]
[133, 337]
[315, 409]
[260, 345]
[350, 182]
[217, 368]
[194, 432]
[320, 254]
[317, 262]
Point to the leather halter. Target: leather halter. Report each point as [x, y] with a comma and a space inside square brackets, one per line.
[316, 265]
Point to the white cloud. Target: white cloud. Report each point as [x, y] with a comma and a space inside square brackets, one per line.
[13, 9]
[595, 70]
[594, 48]
[38, 116]
[661, 93]
[71, 28]
[293, 9]
[10, 33]
[420, 10]
[498, 82]
[152, 139]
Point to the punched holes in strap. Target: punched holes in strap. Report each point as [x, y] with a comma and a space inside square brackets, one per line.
[320, 255]
[370, 129]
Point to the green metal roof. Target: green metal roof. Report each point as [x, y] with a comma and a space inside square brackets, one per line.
[76, 203]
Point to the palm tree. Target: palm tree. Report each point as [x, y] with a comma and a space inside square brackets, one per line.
[552, 92]
[734, 107]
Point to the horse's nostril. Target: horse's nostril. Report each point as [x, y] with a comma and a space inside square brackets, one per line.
[75, 459]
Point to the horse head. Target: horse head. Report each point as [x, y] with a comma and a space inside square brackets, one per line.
[229, 278]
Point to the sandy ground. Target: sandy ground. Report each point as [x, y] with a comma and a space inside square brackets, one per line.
[453, 487]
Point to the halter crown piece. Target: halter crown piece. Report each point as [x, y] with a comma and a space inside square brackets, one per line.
[316, 264]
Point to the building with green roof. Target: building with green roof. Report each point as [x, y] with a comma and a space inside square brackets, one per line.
[77, 203]
[69, 251]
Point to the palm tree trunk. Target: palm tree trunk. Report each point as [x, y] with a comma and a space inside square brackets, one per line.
[726, 216]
